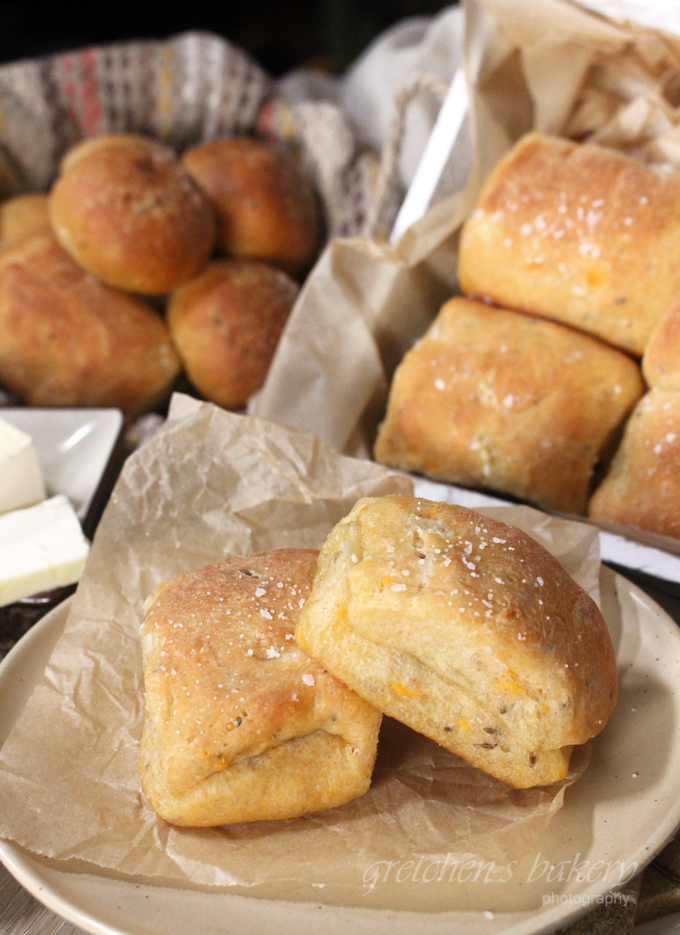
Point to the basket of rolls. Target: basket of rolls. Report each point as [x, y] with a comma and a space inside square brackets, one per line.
[162, 206]
[521, 337]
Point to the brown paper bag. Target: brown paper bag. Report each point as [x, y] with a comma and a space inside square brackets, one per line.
[547, 65]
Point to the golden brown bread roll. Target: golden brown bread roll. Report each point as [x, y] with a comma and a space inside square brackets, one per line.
[467, 630]
[22, 217]
[239, 723]
[132, 142]
[67, 339]
[226, 324]
[507, 401]
[642, 486]
[577, 233]
[661, 360]
[127, 211]
[266, 207]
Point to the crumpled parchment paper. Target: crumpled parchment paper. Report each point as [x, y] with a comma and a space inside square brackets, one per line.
[211, 484]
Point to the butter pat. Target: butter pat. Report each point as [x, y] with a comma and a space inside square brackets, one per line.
[21, 482]
[41, 547]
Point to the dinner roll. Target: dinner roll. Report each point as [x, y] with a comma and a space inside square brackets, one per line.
[578, 233]
[497, 399]
[642, 486]
[266, 206]
[22, 217]
[127, 212]
[226, 324]
[67, 339]
[467, 630]
[661, 360]
[239, 723]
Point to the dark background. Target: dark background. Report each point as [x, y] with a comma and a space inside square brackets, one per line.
[281, 35]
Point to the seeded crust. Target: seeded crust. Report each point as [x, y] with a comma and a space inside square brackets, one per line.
[126, 210]
[240, 724]
[508, 401]
[266, 206]
[67, 339]
[226, 325]
[465, 629]
[578, 233]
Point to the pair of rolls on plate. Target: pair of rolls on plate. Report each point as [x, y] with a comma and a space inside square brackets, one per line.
[460, 626]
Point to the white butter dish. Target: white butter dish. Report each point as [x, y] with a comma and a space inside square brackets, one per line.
[74, 447]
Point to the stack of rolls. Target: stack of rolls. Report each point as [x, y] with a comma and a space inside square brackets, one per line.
[127, 228]
[568, 265]
[266, 677]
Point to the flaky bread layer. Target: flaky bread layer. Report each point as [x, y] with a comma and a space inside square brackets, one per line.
[465, 629]
[460, 721]
[239, 723]
[302, 775]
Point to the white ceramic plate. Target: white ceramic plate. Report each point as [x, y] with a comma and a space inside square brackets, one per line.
[623, 809]
[73, 447]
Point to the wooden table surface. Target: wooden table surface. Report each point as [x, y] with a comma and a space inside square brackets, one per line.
[21, 914]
